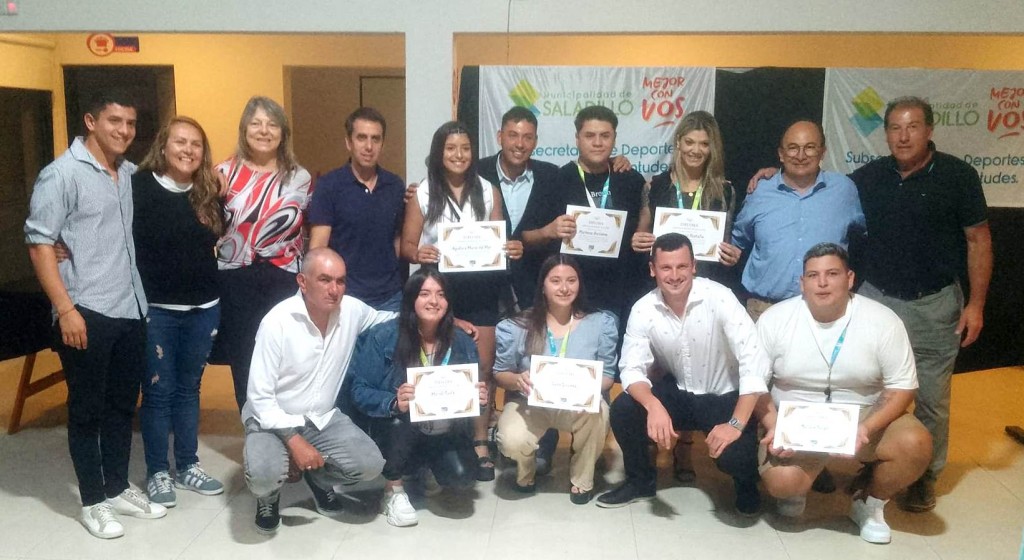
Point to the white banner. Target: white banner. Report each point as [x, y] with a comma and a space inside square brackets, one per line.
[978, 118]
[648, 102]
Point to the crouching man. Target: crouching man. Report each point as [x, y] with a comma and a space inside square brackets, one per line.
[303, 349]
[830, 345]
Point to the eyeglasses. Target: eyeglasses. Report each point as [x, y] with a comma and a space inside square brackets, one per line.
[810, 150]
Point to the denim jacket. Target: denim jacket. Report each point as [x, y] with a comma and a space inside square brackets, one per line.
[375, 376]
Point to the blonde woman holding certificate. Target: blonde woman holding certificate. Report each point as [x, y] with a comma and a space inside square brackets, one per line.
[560, 323]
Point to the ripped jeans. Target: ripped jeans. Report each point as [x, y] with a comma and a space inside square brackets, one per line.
[178, 343]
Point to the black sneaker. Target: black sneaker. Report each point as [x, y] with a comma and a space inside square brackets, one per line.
[268, 516]
[626, 494]
[748, 498]
[327, 502]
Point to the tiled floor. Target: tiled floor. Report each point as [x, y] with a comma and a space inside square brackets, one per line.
[980, 513]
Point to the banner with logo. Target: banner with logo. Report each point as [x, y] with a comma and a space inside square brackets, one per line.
[648, 102]
[978, 118]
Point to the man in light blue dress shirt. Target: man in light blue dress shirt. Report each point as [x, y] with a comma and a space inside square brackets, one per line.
[790, 213]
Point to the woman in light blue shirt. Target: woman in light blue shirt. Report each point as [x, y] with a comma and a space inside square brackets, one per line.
[560, 323]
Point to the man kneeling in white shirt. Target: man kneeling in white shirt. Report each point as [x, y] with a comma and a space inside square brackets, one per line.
[830, 345]
[303, 349]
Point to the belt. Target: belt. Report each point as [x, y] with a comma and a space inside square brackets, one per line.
[911, 294]
[769, 301]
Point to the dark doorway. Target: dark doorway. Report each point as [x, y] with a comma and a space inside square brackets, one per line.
[152, 87]
[26, 146]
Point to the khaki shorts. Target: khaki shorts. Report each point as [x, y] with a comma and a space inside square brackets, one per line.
[812, 463]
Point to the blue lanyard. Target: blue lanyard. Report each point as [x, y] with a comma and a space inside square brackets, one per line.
[696, 197]
[565, 342]
[604, 191]
[425, 362]
[832, 362]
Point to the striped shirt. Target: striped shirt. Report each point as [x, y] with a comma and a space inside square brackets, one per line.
[76, 201]
[263, 217]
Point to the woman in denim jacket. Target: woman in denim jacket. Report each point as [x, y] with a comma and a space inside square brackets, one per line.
[424, 334]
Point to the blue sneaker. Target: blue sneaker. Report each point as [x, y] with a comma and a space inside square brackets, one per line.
[195, 479]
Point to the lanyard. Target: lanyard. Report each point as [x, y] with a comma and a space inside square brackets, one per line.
[835, 354]
[425, 362]
[604, 191]
[696, 197]
[565, 341]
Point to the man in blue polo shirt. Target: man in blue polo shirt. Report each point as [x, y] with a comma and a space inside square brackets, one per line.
[357, 210]
[790, 213]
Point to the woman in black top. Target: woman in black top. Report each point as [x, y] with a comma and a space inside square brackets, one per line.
[695, 181]
[176, 225]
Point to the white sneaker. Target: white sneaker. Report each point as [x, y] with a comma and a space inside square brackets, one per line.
[398, 510]
[134, 503]
[791, 507]
[869, 515]
[101, 521]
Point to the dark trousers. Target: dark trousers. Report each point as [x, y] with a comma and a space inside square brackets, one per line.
[449, 456]
[103, 387]
[247, 294]
[689, 412]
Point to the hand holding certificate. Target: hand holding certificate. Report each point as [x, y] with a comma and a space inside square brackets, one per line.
[471, 246]
[818, 427]
[598, 232]
[444, 392]
[704, 228]
[565, 384]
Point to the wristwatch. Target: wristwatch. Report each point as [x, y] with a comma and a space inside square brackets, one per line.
[737, 424]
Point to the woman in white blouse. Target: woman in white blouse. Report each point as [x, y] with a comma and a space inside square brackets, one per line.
[453, 192]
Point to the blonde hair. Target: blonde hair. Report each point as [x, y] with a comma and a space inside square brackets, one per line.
[713, 177]
[286, 163]
[204, 195]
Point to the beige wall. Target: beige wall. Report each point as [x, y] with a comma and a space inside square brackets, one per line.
[320, 101]
[730, 50]
[215, 74]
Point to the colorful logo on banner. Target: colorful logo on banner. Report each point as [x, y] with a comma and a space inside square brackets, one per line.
[866, 106]
[525, 95]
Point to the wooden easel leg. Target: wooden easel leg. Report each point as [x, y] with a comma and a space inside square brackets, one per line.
[22, 394]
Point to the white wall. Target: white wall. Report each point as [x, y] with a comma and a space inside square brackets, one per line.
[429, 26]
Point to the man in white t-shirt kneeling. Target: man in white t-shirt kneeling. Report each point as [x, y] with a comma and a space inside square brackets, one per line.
[830, 345]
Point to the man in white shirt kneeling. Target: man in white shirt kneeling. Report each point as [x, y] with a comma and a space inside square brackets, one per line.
[303, 349]
[830, 345]
[697, 333]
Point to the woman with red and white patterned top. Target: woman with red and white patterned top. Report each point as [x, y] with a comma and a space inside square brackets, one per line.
[259, 254]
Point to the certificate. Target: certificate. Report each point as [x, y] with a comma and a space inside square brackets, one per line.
[565, 384]
[469, 246]
[444, 392]
[705, 229]
[819, 427]
[598, 232]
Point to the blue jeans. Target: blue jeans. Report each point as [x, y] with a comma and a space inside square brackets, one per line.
[178, 343]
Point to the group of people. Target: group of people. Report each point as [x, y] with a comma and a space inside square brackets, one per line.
[319, 337]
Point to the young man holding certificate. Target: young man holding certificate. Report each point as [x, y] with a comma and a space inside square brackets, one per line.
[606, 198]
[831, 347]
[696, 333]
